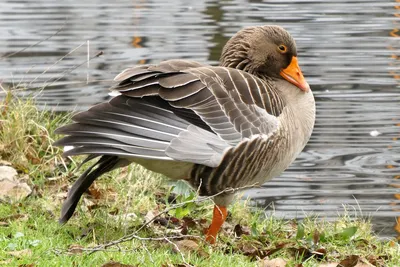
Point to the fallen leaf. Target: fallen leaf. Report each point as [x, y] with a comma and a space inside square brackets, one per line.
[149, 216]
[203, 221]
[169, 221]
[27, 265]
[88, 204]
[376, 260]
[240, 230]
[31, 154]
[94, 191]
[330, 264]
[184, 230]
[349, 261]
[277, 262]
[362, 264]
[319, 254]
[249, 250]
[75, 249]
[20, 253]
[301, 253]
[372, 260]
[117, 264]
[189, 222]
[203, 224]
[227, 227]
[174, 220]
[186, 245]
[254, 250]
[161, 221]
[362, 243]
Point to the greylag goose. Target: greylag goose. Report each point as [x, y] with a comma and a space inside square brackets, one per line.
[216, 127]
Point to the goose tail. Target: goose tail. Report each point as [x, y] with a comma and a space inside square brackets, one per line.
[105, 164]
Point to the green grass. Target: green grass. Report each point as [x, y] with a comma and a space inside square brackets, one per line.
[30, 230]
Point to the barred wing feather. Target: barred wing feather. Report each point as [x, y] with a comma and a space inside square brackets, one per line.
[177, 110]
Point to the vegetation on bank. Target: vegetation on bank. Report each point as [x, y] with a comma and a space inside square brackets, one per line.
[132, 217]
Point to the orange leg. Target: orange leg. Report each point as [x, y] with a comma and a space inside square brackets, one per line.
[219, 217]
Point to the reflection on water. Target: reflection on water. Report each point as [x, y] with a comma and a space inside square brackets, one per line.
[348, 50]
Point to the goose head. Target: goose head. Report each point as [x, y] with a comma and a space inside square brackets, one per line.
[265, 51]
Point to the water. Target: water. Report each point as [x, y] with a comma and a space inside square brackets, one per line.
[348, 50]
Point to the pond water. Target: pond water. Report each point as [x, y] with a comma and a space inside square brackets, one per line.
[348, 51]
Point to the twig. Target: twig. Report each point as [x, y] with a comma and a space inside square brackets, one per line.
[55, 63]
[73, 83]
[226, 190]
[69, 71]
[23, 77]
[35, 44]
[148, 252]
[135, 236]
[177, 249]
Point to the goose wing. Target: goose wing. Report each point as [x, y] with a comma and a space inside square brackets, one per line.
[177, 110]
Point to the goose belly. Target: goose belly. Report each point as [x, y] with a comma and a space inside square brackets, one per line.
[250, 163]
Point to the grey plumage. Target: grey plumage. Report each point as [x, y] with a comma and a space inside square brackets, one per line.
[228, 126]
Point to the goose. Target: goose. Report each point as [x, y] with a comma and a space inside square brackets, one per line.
[216, 127]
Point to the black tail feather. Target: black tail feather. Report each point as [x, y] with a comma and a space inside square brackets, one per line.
[104, 164]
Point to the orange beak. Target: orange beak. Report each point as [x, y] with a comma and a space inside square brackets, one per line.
[293, 75]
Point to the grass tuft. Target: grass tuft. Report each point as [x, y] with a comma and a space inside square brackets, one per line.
[26, 137]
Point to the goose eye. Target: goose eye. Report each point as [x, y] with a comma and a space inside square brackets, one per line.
[282, 48]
